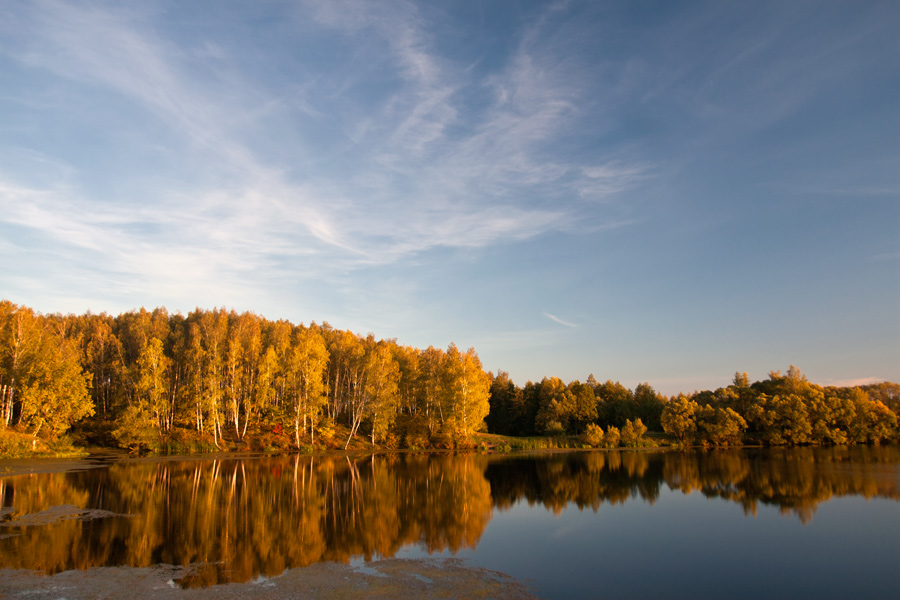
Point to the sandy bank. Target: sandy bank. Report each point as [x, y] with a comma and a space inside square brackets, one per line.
[387, 579]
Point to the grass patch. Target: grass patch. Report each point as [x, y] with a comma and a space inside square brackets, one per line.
[15, 444]
[489, 442]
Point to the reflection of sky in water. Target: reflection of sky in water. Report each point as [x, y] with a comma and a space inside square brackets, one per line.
[688, 546]
[789, 524]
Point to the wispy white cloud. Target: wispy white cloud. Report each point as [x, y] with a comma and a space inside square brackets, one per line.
[556, 319]
[414, 180]
[117, 50]
[606, 180]
[497, 161]
[186, 258]
[854, 382]
[334, 151]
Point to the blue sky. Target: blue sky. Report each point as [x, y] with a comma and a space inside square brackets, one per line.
[647, 191]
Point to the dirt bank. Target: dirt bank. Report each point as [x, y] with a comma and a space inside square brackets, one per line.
[387, 579]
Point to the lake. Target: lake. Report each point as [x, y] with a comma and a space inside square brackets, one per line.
[798, 523]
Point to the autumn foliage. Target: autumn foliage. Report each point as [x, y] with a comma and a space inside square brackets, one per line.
[151, 376]
[150, 379]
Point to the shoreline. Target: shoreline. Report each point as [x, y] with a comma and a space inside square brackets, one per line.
[13, 467]
[387, 579]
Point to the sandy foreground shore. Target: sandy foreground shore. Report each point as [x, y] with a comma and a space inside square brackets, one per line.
[387, 579]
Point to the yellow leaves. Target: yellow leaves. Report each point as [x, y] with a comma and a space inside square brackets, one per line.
[56, 392]
[679, 418]
[593, 435]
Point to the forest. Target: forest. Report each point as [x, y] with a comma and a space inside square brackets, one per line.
[782, 410]
[216, 379]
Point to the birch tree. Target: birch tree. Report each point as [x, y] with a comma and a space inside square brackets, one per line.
[381, 390]
[309, 365]
[466, 392]
[56, 391]
[21, 336]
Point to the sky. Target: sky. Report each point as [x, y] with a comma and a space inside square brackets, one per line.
[646, 191]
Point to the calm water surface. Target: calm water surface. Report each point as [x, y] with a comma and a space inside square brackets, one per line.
[804, 523]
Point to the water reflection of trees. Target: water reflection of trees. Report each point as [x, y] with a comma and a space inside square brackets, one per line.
[584, 479]
[794, 480]
[238, 519]
[242, 518]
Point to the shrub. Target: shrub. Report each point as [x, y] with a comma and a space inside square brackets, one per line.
[18, 445]
[326, 431]
[442, 441]
[633, 433]
[611, 439]
[415, 440]
[465, 443]
[593, 435]
[554, 428]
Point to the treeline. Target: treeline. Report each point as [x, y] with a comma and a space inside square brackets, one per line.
[144, 378]
[781, 410]
[147, 374]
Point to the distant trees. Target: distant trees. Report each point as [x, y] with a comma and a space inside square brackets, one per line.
[781, 410]
[782, 419]
[552, 407]
[145, 375]
[679, 418]
[615, 403]
[720, 426]
[506, 406]
[584, 406]
[556, 406]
